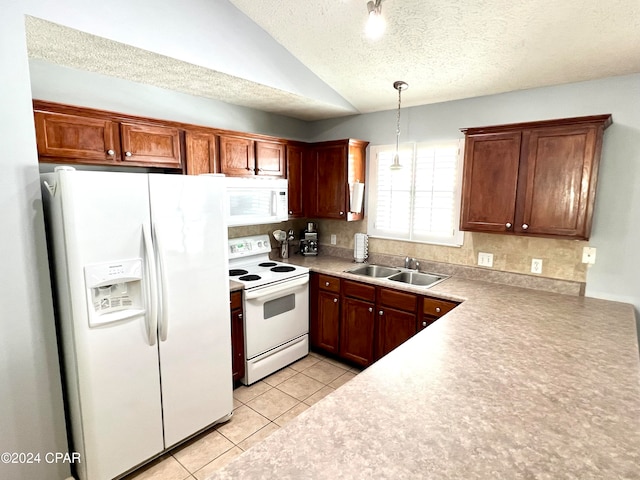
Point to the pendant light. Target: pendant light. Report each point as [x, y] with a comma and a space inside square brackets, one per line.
[400, 86]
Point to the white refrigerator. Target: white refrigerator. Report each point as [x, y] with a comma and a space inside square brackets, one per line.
[139, 263]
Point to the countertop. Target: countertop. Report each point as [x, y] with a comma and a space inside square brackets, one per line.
[513, 383]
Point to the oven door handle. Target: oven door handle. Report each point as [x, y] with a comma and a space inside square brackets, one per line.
[268, 293]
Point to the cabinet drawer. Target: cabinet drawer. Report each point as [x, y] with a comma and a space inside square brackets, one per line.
[236, 300]
[359, 290]
[331, 284]
[400, 300]
[437, 308]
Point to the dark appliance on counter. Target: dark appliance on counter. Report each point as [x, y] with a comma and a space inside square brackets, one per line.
[309, 240]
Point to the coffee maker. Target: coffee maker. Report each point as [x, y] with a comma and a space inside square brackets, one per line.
[309, 240]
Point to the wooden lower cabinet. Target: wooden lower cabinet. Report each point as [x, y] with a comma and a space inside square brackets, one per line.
[237, 336]
[325, 318]
[394, 328]
[433, 309]
[360, 323]
[396, 319]
[357, 331]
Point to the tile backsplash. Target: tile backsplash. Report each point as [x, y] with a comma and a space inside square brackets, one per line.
[561, 259]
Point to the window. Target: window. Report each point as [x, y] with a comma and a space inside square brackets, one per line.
[421, 201]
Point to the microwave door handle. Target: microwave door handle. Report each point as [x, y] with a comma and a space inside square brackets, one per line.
[274, 203]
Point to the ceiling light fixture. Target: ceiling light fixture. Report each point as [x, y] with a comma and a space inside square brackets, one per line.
[375, 24]
[400, 86]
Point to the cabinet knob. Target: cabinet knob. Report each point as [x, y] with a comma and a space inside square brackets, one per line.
[341, 213]
[437, 309]
[111, 152]
[290, 212]
[239, 315]
[326, 284]
[525, 226]
[508, 225]
[380, 313]
[424, 324]
[127, 154]
[371, 309]
[335, 300]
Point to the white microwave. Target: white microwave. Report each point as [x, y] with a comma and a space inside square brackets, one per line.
[256, 201]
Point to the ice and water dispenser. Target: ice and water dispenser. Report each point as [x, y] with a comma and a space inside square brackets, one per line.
[114, 291]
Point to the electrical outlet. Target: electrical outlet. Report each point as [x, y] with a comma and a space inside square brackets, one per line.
[334, 240]
[589, 255]
[485, 259]
[536, 265]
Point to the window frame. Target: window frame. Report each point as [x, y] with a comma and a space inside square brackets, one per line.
[457, 237]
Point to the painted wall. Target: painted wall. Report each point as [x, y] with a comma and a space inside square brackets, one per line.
[76, 87]
[31, 412]
[616, 227]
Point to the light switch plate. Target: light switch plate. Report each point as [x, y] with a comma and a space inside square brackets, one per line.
[333, 239]
[536, 265]
[589, 255]
[485, 259]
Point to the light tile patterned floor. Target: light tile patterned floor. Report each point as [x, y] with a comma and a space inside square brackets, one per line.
[259, 410]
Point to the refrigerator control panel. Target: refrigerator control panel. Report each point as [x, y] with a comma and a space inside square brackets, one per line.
[114, 291]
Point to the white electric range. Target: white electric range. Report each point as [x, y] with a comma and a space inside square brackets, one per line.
[276, 307]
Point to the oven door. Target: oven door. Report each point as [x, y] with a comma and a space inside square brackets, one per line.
[275, 314]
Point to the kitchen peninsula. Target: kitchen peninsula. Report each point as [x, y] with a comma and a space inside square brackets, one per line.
[513, 383]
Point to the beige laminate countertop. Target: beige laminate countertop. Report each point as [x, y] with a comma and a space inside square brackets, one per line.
[514, 383]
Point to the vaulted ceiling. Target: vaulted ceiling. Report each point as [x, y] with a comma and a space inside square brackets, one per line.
[444, 50]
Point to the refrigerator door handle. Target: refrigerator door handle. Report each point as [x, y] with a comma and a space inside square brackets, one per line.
[152, 317]
[163, 322]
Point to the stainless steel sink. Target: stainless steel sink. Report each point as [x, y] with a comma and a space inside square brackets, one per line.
[417, 278]
[374, 271]
[402, 275]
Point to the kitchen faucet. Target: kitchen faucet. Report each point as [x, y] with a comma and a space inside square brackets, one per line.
[408, 261]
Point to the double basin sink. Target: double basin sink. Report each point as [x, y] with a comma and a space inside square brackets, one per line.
[402, 275]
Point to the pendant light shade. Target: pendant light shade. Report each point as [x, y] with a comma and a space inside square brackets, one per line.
[399, 86]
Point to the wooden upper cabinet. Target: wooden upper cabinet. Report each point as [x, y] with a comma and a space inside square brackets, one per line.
[490, 182]
[150, 145]
[536, 178]
[67, 134]
[201, 152]
[333, 167]
[558, 181]
[237, 156]
[245, 156]
[270, 159]
[295, 176]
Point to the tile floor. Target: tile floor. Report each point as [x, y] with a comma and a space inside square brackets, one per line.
[259, 410]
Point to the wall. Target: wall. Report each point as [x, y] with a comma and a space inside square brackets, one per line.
[76, 87]
[31, 416]
[31, 413]
[616, 227]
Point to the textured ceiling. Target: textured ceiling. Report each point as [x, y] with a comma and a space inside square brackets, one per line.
[444, 50]
[450, 50]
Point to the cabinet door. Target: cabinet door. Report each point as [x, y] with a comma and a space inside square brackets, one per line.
[295, 158]
[270, 159]
[150, 145]
[557, 181]
[328, 182]
[200, 153]
[327, 330]
[490, 181]
[237, 156]
[74, 137]
[356, 332]
[394, 328]
[237, 343]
